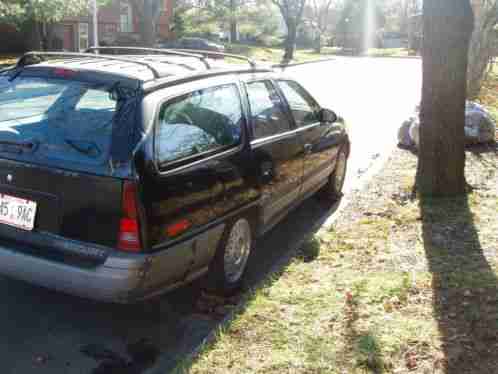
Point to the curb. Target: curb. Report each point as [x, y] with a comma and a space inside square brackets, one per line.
[322, 224]
[374, 168]
[283, 66]
[396, 57]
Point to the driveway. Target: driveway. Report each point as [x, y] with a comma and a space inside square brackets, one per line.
[47, 332]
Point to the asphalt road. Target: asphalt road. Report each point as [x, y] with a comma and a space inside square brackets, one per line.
[47, 332]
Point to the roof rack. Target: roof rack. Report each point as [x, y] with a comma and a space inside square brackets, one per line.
[197, 53]
[163, 51]
[251, 62]
[22, 61]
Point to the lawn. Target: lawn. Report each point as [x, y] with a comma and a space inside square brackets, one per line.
[398, 285]
[273, 54]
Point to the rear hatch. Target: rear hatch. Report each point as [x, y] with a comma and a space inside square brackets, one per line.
[56, 175]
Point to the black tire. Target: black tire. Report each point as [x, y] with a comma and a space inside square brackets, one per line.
[332, 191]
[220, 278]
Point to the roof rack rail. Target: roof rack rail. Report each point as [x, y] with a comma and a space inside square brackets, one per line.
[206, 74]
[251, 62]
[163, 51]
[21, 62]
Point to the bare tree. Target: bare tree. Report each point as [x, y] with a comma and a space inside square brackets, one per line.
[292, 13]
[319, 17]
[482, 45]
[448, 27]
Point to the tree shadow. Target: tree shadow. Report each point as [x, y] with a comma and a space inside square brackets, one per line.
[464, 285]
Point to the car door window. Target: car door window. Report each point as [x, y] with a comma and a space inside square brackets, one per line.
[204, 121]
[267, 114]
[304, 109]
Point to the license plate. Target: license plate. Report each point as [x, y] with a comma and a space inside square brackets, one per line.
[17, 212]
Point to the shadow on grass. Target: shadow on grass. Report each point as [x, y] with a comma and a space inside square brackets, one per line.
[464, 285]
[310, 250]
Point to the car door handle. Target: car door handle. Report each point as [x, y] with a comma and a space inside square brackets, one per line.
[308, 148]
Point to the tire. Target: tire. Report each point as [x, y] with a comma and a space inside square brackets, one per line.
[333, 189]
[230, 261]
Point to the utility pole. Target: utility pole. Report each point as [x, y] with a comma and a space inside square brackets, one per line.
[95, 24]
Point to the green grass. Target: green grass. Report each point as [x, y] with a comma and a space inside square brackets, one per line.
[271, 54]
[392, 288]
[274, 54]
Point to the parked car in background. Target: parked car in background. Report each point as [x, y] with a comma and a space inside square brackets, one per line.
[125, 176]
[192, 43]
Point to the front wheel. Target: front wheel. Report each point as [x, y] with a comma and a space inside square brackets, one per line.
[230, 261]
[333, 189]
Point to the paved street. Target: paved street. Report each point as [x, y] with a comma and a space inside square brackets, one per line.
[46, 332]
[374, 95]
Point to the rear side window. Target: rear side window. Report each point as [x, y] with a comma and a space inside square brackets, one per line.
[304, 109]
[267, 115]
[62, 119]
[204, 121]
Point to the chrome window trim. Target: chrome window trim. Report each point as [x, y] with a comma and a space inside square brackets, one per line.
[229, 152]
[288, 134]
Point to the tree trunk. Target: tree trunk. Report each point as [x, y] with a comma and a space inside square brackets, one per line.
[290, 41]
[447, 30]
[148, 32]
[33, 35]
[233, 23]
[481, 49]
[50, 37]
[318, 42]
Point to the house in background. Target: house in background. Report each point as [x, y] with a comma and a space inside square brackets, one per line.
[119, 23]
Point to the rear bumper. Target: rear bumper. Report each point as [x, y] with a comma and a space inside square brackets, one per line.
[122, 278]
[106, 283]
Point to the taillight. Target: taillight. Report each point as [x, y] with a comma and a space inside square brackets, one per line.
[129, 232]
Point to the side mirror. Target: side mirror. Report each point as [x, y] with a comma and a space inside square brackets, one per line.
[327, 115]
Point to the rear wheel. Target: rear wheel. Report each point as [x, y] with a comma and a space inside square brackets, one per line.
[333, 189]
[230, 261]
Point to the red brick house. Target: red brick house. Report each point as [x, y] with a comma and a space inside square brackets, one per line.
[118, 21]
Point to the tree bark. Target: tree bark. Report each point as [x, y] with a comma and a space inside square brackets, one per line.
[318, 42]
[448, 27]
[290, 41]
[33, 35]
[233, 22]
[148, 32]
[481, 49]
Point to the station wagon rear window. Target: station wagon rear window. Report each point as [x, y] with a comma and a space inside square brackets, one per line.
[204, 121]
[55, 119]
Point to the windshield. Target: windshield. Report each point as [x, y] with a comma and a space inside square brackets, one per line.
[56, 119]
